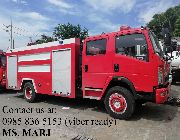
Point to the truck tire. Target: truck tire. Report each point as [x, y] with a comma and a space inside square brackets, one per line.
[119, 103]
[29, 92]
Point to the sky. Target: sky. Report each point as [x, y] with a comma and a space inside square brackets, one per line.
[31, 18]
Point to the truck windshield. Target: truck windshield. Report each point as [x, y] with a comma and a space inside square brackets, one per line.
[133, 45]
[2, 60]
[157, 48]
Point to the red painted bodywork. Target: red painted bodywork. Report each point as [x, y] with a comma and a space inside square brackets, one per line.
[162, 95]
[45, 78]
[2, 72]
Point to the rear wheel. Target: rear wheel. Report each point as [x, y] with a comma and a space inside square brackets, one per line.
[29, 92]
[119, 103]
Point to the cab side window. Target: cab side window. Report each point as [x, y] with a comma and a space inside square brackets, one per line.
[96, 47]
[133, 45]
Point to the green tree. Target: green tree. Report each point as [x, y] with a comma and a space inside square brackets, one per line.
[44, 39]
[65, 31]
[165, 20]
[177, 28]
[156, 24]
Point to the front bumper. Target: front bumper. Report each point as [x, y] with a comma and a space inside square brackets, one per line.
[162, 94]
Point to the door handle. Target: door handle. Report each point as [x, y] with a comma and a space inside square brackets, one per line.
[86, 68]
[116, 67]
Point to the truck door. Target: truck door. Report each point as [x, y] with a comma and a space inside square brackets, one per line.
[61, 72]
[132, 56]
[96, 66]
[12, 72]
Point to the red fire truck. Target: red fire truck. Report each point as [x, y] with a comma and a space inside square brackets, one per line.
[2, 70]
[121, 68]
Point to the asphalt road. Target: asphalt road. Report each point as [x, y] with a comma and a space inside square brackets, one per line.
[151, 122]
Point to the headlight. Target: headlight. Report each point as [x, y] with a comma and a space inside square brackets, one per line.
[160, 76]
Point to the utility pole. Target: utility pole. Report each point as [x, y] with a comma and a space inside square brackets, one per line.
[12, 46]
[10, 31]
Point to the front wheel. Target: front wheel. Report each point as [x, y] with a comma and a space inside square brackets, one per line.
[119, 103]
[29, 92]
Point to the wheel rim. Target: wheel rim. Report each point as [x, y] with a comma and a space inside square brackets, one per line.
[117, 103]
[28, 92]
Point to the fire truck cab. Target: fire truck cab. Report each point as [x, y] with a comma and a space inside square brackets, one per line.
[121, 68]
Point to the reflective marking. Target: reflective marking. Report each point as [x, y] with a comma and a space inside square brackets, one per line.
[32, 57]
[34, 68]
[92, 97]
[93, 89]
